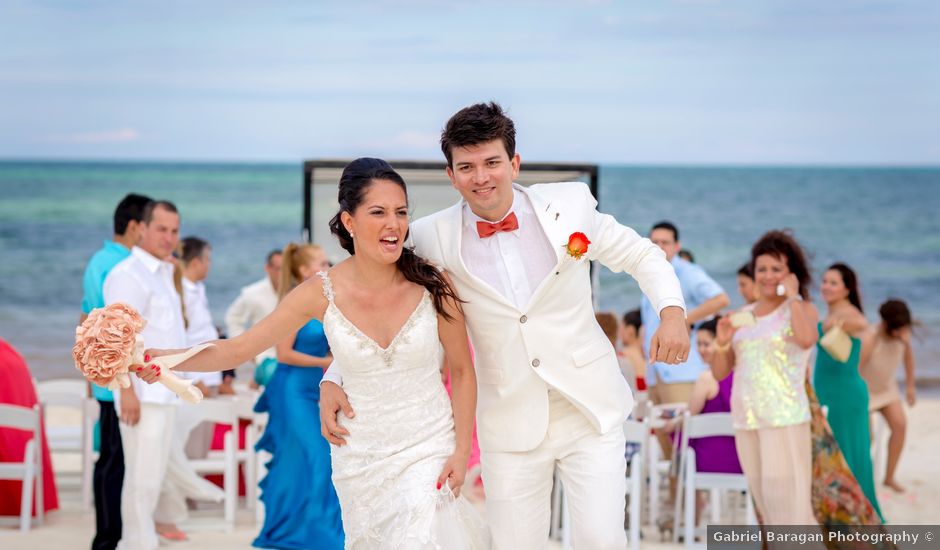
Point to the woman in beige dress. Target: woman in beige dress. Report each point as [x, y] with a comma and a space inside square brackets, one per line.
[884, 347]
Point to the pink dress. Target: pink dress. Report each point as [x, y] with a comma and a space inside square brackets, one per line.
[16, 388]
[475, 447]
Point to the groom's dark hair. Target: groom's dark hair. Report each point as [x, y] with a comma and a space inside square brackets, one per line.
[478, 124]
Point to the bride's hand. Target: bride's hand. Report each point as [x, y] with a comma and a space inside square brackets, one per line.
[148, 372]
[454, 472]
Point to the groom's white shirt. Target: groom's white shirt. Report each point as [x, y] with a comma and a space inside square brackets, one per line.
[514, 263]
[526, 346]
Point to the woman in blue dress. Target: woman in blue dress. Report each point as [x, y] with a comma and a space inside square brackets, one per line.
[301, 508]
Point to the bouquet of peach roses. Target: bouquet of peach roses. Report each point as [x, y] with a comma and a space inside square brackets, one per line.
[109, 342]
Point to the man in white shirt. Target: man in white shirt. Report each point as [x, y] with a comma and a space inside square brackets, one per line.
[255, 302]
[550, 390]
[196, 261]
[145, 281]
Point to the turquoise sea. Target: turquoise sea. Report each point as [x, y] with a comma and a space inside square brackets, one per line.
[54, 215]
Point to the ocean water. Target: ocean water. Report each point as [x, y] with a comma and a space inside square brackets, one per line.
[54, 215]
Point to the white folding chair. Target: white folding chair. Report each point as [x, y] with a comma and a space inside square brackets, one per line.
[30, 470]
[694, 427]
[657, 466]
[641, 405]
[73, 394]
[91, 413]
[245, 406]
[636, 432]
[222, 411]
[258, 424]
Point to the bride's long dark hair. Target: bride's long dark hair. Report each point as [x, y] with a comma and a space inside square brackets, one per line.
[357, 177]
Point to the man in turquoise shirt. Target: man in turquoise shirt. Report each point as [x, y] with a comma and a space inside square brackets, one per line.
[109, 469]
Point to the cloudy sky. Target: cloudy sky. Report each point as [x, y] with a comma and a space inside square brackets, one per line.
[691, 81]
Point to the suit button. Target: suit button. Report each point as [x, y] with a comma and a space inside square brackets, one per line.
[536, 362]
[523, 319]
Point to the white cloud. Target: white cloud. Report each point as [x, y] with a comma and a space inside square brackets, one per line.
[408, 140]
[120, 135]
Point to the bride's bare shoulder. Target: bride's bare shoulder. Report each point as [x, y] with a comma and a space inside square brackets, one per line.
[309, 297]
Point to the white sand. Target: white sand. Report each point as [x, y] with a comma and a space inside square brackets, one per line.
[70, 527]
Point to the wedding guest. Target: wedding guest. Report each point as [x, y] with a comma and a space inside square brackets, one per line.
[884, 348]
[769, 403]
[16, 388]
[300, 503]
[255, 302]
[631, 347]
[837, 382]
[611, 327]
[196, 259]
[144, 280]
[747, 288]
[108, 477]
[712, 454]
[703, 298]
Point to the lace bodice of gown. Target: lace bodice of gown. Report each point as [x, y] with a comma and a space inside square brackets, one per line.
[402, 434]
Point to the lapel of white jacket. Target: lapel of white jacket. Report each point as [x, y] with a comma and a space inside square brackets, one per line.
[450, 231]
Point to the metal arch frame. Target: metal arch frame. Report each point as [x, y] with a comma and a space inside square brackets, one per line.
[310, 166]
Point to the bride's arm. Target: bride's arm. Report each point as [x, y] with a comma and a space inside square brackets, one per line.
[453, 336]
[298, 307]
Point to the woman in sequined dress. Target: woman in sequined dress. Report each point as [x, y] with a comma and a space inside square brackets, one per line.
[769, 404]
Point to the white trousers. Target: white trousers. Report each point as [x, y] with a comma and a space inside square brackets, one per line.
[592, 468]
[146, 453]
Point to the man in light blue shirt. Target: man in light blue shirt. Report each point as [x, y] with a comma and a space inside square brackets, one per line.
[703, 299]
[109, 469]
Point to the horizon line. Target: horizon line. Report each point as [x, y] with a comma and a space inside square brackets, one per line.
[631, 164]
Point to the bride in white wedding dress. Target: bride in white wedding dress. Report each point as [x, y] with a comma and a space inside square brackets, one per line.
[390, 318]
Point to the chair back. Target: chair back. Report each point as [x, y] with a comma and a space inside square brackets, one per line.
[20, 418]
[695, 426]
[635, 431]
[221, 410]
[62, 392]
[662, 413]
[708, 425]
[246, 404]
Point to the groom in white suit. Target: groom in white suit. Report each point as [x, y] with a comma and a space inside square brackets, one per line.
[550, 389]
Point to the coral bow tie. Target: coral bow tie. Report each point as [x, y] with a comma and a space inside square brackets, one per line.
[509, 223]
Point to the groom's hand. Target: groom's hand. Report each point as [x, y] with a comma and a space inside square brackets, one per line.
[332, 400]
[670, 343]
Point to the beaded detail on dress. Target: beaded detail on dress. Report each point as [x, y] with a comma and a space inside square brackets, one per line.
[401, 336]
[769, 372]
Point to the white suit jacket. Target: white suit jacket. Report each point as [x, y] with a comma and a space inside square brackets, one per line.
[555, 340]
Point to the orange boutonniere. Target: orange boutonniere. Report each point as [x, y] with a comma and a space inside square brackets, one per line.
[577, 245]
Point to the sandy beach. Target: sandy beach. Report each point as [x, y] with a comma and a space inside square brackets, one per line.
[71, 527]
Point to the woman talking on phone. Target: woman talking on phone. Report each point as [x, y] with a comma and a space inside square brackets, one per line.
[768, 345]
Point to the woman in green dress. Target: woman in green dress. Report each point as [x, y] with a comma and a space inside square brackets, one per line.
[838, 384]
